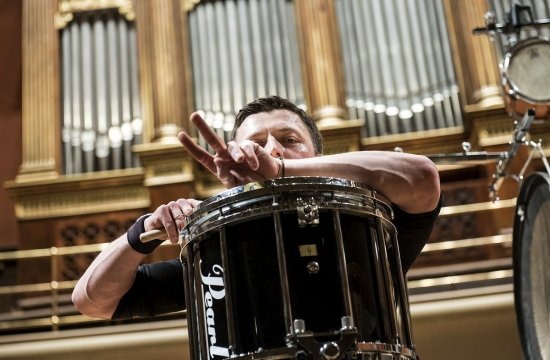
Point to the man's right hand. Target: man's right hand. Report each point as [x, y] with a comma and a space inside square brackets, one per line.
[171, 217]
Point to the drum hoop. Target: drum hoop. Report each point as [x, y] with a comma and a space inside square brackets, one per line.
[363, 348]
[223, 206]
[521, 266]
[272, 354]
[215, 219]
[274, 184]
[370, 347]
[514, 92]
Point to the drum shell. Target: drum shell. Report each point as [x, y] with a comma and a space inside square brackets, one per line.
[243, 295]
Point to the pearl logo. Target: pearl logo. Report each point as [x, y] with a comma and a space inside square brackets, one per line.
[213, 289]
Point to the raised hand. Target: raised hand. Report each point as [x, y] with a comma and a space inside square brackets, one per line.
[233, 163]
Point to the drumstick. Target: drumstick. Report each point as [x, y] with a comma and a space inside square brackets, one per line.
[151, 235]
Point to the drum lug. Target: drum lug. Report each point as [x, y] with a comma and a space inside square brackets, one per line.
[332, 350]
[308, 211]
[520, 212]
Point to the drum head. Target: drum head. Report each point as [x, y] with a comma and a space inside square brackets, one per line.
[531, 254]
[527, 69]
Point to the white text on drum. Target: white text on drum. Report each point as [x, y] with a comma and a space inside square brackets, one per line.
[216, 291]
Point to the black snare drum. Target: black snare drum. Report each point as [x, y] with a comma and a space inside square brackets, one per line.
[302, 266]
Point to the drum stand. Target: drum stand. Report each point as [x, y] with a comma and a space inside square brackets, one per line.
[531, 232]
[519, 138]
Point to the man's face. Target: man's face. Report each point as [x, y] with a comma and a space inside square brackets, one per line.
[280, 132]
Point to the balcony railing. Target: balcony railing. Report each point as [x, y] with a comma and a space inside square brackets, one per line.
[427, 279]
[61, 311]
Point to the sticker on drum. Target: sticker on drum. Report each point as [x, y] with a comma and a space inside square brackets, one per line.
[531, 251]
[525, 72]
[264, 283]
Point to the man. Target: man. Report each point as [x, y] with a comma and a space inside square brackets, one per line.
[271, 138]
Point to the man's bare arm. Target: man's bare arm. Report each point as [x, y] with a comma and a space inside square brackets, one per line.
[407, 180]
[107, 279]
[113, 271]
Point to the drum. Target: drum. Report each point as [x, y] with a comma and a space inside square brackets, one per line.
[531, 251]
[299, 266]
[525, 72]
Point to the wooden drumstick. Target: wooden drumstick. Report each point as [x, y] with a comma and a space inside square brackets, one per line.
[151, 235]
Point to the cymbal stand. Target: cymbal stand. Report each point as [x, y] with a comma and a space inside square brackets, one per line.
[519, 138]
[520, 18]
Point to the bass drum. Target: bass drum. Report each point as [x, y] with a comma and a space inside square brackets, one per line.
[525, 74]
[531, 253]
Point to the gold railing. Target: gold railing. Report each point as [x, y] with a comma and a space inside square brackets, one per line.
[54, 287]
[419, 277]
[478, 207]
[469, 272]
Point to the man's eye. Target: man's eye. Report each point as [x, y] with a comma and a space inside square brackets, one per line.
[292, 140]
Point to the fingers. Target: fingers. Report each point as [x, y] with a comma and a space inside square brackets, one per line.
[244, 152]
[250, 151]
[242, 157]
[178, 211]
[208, 134]
[173, 217]
[197, 152]
[235, 152]
[187, 206]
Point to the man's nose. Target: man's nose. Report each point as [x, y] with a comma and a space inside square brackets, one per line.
[274, 147]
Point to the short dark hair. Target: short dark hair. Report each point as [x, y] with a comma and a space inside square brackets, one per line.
[270, 103]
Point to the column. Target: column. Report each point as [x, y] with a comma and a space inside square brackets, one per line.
[164, 68]
[40, 95]
[475, 58]
[321, 60]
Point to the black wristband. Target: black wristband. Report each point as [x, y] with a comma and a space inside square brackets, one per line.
[133, 234]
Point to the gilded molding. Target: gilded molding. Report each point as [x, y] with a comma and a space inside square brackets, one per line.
[500, 131]
[188, 5]
[494, 131]
[67, 9]
[72, 203]
[79, 194]
[341, 144]
[421, 142]
[168, 172]
[340, 135]
[165, 163]
[329, 114]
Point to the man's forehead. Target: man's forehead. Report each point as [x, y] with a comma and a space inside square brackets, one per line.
[277, 114]
[277, 119]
